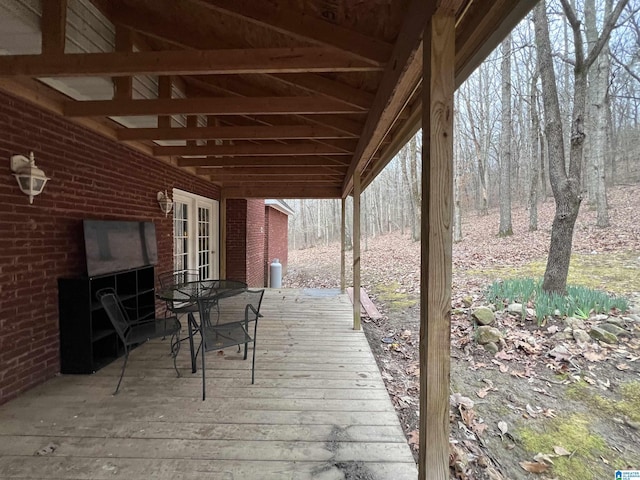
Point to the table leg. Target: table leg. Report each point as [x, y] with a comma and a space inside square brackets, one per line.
[191, 321]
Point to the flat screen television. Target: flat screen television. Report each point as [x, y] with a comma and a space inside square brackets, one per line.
[114, 246]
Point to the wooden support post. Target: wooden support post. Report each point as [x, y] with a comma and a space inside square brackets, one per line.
[343, 246]
[164, 91]
[53, 25]
[223, 236]
[356, 250]
[123, 86]
[437, 200]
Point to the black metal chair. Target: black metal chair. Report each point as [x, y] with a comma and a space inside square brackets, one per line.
[132, 333]
[227, 321]
[172, 279]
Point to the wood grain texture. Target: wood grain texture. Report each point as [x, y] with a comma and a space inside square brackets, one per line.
[54, 26]
[318, 409]
[437, 214]
[356, 250]
[185, 62]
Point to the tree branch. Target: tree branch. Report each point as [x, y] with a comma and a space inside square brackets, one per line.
[608, 26]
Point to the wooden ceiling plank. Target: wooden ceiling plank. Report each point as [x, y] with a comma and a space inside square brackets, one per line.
[182, 62]
[53, 25]
[305, 27]
[261, 190]
[275, 161]
[258, 132]
[275, 149]
[208, 106]
[398, 82]
[153, 25]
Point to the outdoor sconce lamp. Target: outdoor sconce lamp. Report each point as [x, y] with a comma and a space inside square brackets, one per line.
[165, 202]
[31, 179]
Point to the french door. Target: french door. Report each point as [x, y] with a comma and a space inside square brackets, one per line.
[195, 234]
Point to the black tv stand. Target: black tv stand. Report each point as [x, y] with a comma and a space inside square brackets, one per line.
[88, 340]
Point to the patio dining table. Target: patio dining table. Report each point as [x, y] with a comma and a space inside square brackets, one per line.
[187, 294]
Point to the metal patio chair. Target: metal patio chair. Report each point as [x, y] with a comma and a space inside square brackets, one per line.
[227, 321]
[134, 332]
[171, 279]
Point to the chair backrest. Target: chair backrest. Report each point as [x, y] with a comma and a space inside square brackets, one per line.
[115, 311]
[230, 307]
[170, 279]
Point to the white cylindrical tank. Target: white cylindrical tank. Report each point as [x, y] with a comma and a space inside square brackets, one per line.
[276, 274]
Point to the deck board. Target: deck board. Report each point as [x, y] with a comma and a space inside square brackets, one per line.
[318, 410]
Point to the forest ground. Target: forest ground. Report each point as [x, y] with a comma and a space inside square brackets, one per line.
[544, 406]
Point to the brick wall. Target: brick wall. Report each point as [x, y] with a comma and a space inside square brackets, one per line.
[91, 177]
[236, 239]
[276, 242]
[245, 241]
[255, 243]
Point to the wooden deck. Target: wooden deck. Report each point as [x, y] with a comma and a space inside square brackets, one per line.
[318, 410]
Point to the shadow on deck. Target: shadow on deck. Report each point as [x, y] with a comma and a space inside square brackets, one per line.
[318, 410]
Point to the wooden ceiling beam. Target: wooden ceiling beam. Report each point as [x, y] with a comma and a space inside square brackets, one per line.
[251, 149]
[297, 161]
[485, 24]
[318, 84]
[183, 62]
[398, 82]
[123, 86]
[208, 106]
[53, 25]
[151, 24]
[306, 28]
[282, 180]
[269, 190]
[272, 171]
[283, 132]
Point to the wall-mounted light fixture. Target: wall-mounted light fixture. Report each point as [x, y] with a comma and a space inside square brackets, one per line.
[165, 202]
[31, 179]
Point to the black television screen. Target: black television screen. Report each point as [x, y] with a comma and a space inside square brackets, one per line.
[114, 246]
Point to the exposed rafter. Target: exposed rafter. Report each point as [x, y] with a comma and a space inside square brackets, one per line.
[283, 132]
[250, 149]
[187, 62]
[398, 82]
[297, 161]
[208, 106]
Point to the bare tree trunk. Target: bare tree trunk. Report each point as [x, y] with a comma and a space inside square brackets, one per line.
[506, 228]
[416, 196]
[457, 212]
[535, 160]
[598, 93]
[566, 188]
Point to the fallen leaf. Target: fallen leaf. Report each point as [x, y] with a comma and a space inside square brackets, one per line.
[589, 380]
[414, 438]
[483, 392]
[534, 467]
[593, 356]
[503, 355]
[503, 427]
[561, 451]
[544, 457]
[553, 329]
[457, 399]
[623, 366]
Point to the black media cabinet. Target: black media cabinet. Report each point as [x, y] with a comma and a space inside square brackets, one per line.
[88, 340]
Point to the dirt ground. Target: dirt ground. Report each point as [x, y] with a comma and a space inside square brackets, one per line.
[543, 406]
